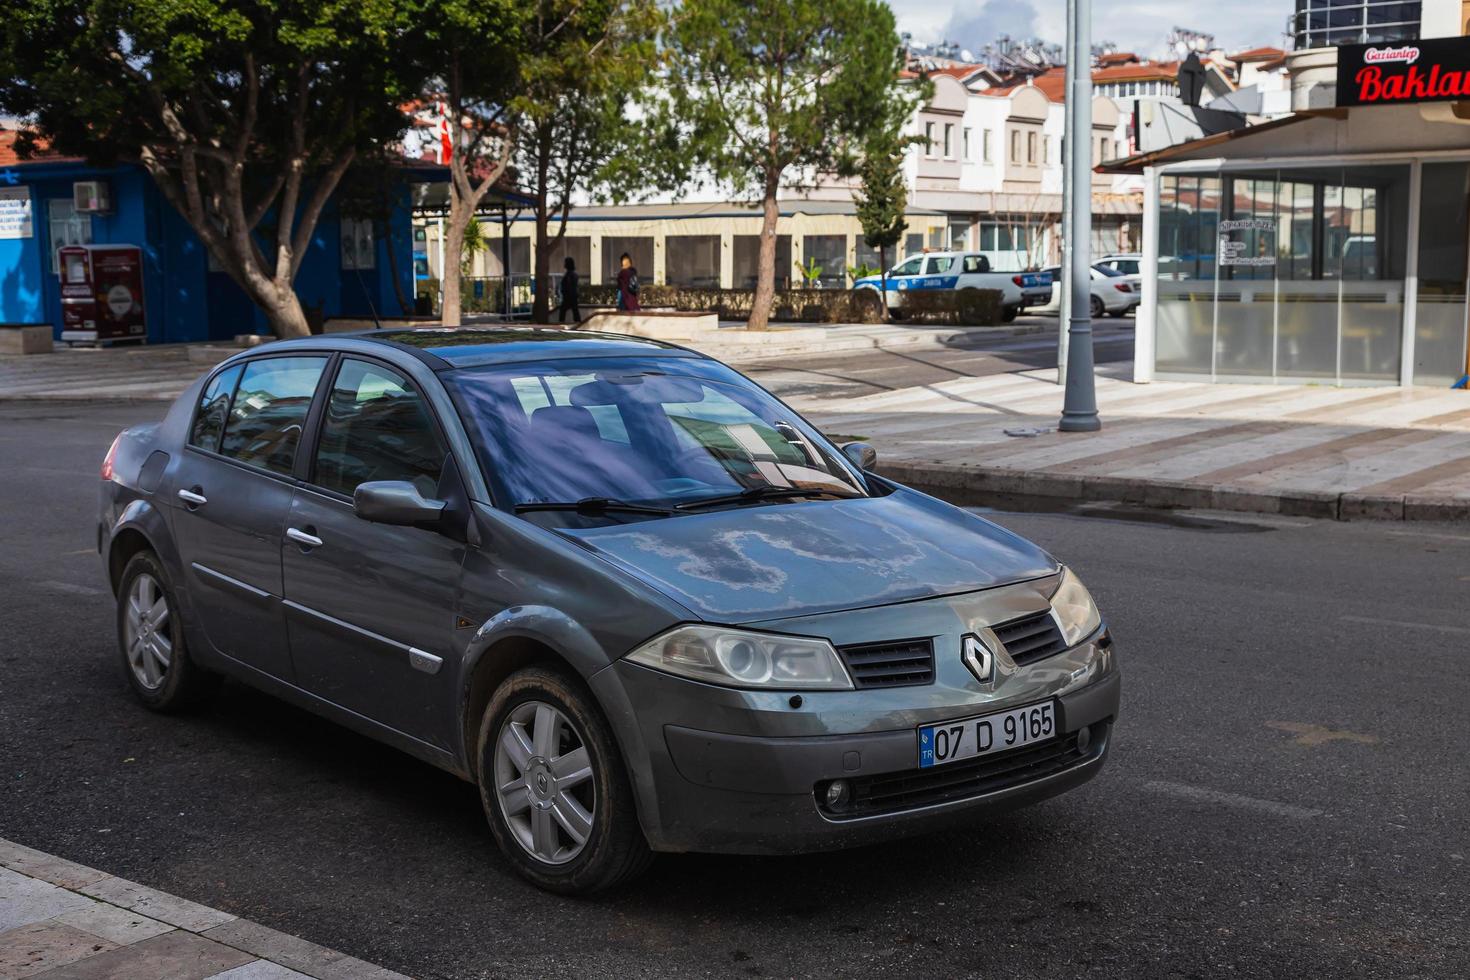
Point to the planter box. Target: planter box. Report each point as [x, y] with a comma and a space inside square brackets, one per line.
[26, 340]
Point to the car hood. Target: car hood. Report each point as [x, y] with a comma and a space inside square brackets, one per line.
[773, 561]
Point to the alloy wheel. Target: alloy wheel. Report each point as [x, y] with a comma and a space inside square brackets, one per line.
[543, 782]
[150, 649]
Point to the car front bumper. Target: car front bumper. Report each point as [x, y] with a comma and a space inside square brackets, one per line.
[712, 774]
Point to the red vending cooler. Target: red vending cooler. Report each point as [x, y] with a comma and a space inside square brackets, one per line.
[102, 293]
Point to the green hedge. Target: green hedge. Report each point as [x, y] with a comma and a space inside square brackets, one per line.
[971, 307]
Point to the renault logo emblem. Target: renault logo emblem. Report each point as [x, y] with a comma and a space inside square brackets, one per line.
[977, 657]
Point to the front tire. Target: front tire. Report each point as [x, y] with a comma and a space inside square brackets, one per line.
[554, 787]
[150, 637]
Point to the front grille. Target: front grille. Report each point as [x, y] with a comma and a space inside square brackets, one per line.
[1031, 638]
[902, 663]
[898, 791]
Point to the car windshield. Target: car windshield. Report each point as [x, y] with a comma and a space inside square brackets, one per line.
[661, 432]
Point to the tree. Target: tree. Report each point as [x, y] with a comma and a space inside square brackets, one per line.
[759, 91]
[475, 46]
[883, 199]
[582, 61]
[246, 113]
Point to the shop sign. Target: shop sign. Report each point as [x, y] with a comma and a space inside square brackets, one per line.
[15, 212]
[1426, 70]
[1233, 250]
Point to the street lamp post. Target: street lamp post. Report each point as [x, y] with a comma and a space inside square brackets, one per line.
[1079, 403]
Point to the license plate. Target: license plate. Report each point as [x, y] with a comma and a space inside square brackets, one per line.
[952, 741]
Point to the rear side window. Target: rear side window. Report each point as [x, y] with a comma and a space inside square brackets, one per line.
[269, 411]
[977, 263]
[214, 403]
[377, 427]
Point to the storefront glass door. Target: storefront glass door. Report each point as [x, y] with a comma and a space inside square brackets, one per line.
[1439, 329]
[1292, 274]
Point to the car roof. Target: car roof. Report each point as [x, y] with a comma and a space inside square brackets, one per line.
[447, 348]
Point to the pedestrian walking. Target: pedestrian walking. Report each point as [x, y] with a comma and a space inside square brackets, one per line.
[627, 285]
[569, 299]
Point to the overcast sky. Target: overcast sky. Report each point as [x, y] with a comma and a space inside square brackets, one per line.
[1136, 25]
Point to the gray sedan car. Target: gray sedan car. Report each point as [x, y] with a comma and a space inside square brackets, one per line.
[635, 598]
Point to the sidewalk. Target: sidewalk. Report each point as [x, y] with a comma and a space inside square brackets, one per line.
[62, 920]
[1343, 453]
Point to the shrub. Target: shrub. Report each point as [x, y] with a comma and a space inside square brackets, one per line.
[968, 307]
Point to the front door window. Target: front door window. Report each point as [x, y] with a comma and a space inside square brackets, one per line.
[376, 427]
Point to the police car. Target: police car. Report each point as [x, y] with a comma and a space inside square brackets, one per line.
[960, 270]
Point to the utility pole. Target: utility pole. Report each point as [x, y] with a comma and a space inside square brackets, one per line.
[1079, 403]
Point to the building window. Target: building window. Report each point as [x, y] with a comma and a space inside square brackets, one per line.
[65, 226]
[359, 250]
[1046, 149]
[965, 140]
[1030, 147]
[929, 139]
[1015, 146]
[985, 145]
[949, 141]
[1326, 23]
[692, 260]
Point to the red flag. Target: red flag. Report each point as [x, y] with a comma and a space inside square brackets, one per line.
[446, 143]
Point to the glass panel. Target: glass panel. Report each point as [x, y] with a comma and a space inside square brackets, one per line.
[1375, 212]
[578, 248]
[269, 409]
[692, 260]
[747, 261]
[1245, 310]
[376, 427]
[1306, 317]
[1439, 331]
[214, 403]
[1186, 304]
[830, 252]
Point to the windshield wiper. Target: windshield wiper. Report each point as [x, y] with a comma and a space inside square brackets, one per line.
[595, 505]
[764, 492]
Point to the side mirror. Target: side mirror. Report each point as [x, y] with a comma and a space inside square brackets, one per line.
[861, 455]
[395, 502]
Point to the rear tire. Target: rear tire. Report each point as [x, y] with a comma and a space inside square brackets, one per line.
[575, 836]
[1010, 313]
[1097, 307]
[150, 639]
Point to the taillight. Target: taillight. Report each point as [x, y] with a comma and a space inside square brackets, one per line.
[1018, 280]
[1122, 287]
[107, 460]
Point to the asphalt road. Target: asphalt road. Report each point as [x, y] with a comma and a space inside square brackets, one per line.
[868, 372]
[1289, 794]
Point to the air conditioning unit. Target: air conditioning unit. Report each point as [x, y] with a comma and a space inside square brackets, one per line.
[92, 197]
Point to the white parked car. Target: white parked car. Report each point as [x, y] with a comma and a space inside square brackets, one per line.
[1113, 293]
[957, 271]
[1131, 264]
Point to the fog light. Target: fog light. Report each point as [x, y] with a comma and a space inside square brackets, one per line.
[836, 793]
[1084, 739]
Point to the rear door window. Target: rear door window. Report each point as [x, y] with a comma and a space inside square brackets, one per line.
[214, 407]
[269, 410]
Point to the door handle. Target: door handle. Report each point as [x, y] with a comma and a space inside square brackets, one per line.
[302, 538]
[193, 498]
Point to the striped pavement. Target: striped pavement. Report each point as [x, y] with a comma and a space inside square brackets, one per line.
[1332, 452]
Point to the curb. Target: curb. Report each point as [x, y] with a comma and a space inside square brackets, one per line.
[971, 484]
[759, 352]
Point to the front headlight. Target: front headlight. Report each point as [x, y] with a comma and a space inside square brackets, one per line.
[739, 658]
[1075, 611]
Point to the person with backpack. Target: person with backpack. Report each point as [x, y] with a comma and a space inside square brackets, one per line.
[569, 299]
[628, 285]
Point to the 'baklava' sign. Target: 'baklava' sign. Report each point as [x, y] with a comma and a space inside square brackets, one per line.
[1424, 70]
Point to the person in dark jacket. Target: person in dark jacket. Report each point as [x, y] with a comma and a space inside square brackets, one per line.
[628, 285]
[569, 293]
